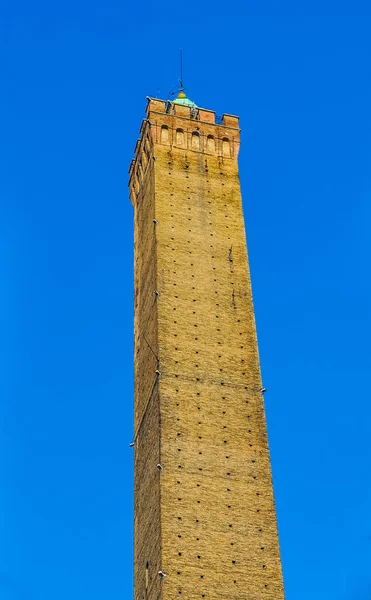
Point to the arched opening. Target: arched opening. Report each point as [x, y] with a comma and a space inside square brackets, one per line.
[226, 149]
[164, 134]
[210, 143]
[195, 140]
[179, 137]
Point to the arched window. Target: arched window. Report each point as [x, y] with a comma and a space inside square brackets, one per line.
[210, 143]
[226, 147]
[195, 140]
[164, 134]
[179, 137]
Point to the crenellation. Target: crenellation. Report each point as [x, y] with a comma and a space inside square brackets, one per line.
[230, 121]
[155, 105]
[181, 111]
[207, 116]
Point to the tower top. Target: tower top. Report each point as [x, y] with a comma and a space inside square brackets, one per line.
[182, 96]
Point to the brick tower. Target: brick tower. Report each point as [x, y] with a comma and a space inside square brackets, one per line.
[205, 522]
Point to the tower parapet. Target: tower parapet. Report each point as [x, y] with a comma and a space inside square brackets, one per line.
[189, 112]
[185, 127]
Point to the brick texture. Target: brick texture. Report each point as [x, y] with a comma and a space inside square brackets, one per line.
[204, 505]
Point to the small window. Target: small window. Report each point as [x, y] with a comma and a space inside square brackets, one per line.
[195, 140]
[226, 147]
[164, 134]
[210, 143]
[179, 137]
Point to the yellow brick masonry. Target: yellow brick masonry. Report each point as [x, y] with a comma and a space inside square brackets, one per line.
[204, 506]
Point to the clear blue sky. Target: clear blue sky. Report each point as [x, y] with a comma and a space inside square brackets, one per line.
[74, 79]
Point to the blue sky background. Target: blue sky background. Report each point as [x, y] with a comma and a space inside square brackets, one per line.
[74, 79]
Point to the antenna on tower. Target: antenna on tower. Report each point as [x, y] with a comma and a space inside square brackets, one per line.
[180, 93]
[181, 87]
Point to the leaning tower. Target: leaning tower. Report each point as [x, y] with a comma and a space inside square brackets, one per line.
[205, 520]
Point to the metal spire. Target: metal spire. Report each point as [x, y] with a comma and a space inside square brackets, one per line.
[182, 96]
[181, 87]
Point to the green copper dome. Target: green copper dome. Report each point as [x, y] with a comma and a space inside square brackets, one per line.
[182, 99]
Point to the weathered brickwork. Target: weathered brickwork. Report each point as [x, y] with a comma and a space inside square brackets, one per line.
[204, 506]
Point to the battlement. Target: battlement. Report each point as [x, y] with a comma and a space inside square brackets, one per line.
[189, 112]
[182, 128]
